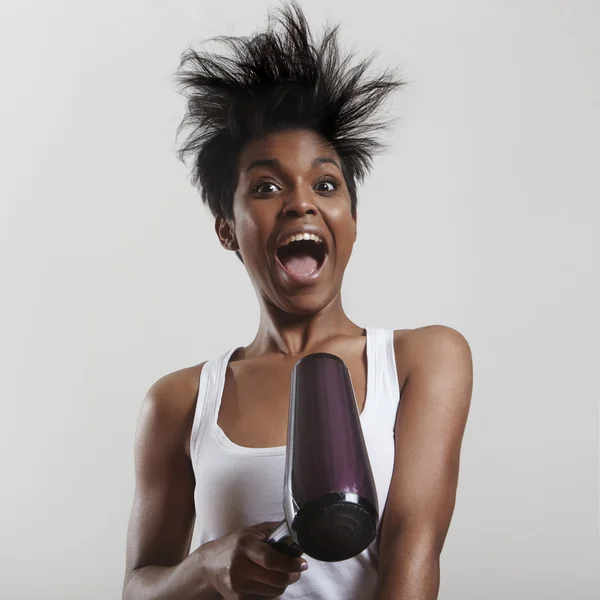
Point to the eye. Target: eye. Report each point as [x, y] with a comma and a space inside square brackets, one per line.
[327, 181]
[259, 189]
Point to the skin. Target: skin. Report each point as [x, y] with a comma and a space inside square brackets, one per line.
[434, 371]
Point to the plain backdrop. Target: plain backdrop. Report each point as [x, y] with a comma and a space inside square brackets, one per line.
[483, 215]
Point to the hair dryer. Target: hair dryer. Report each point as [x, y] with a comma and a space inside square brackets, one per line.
[329, 496]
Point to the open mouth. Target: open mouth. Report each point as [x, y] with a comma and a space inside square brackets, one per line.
[302, 259]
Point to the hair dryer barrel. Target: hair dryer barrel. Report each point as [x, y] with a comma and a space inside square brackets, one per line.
[328, 452]
[330, 499]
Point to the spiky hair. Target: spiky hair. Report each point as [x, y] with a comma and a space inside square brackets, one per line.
[272, 81]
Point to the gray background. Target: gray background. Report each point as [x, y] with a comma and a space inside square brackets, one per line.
[482, 216]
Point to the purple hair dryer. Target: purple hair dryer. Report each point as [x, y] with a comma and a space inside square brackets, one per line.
[329, 496]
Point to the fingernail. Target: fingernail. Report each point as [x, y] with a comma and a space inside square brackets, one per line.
[303, 566]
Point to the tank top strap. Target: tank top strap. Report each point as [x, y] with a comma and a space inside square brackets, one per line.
[384, 374]
[210, 389]
[382, 381]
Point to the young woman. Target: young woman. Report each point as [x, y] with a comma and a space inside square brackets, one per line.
[281, 132]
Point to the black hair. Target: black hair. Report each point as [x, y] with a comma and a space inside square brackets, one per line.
[272, 81]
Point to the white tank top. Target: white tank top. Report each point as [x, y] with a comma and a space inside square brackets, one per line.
[238, 486]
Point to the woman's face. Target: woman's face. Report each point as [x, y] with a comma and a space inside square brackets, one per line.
[291, 182]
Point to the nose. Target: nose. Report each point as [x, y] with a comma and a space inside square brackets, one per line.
[300, 203]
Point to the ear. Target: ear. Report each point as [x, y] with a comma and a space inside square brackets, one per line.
[355, 225]
[226, 234]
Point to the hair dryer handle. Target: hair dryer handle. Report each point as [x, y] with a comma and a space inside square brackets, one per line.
[281, 540]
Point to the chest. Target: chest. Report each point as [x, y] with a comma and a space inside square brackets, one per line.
[254, 406]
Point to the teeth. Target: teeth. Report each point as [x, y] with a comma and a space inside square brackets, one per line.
[302, 236]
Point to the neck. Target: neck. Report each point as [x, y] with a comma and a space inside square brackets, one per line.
[283, 333]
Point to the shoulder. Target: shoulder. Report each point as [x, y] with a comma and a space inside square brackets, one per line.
[434, 349]
[433, 339]
[168, 408]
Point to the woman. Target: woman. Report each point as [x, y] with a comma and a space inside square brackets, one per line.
[281, 132]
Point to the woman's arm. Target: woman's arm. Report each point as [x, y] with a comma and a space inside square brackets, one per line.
[429, 429]
[162, 518]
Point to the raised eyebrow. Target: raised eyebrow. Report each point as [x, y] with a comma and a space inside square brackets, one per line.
[322, 160]
[275, 164]
[263, 162]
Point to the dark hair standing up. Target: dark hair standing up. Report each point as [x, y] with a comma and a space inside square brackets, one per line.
[272, 81]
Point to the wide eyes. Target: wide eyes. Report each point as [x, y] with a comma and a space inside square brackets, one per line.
[261, 188]
[325, 185]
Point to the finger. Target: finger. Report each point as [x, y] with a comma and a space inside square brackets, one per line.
[265, 556]
[261, 590]
[274, 578]
[276, 560]
[265, 528]
[274, 582]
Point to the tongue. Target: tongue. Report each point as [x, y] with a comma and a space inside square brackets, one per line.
[300, 264]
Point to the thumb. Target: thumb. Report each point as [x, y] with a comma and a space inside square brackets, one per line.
[265, 528]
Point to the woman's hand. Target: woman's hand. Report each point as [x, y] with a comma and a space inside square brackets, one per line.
[242, 565]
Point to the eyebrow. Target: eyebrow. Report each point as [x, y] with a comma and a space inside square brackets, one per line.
[275, 164]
